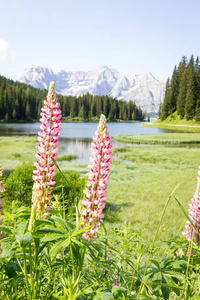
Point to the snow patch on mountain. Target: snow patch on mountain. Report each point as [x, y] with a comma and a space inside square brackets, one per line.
[144, 89]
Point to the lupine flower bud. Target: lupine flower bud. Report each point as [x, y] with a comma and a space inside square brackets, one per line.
[95, 192]
[47, 149]
[31, 226]
[194, 213]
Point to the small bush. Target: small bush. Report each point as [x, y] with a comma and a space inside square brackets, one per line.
[70, 188]
[19, 185]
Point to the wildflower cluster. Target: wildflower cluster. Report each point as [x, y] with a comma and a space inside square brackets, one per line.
[95, 192]
[194, 213]
[47, 149]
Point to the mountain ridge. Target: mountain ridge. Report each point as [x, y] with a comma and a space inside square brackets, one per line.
[146, 91]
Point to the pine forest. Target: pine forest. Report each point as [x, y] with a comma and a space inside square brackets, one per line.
[21, 102]
[182, 94]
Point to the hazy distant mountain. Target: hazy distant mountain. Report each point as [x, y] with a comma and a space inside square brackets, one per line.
[144, 89]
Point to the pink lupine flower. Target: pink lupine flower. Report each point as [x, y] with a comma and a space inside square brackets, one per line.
[194, 213]
[47, 149]
[95, 192]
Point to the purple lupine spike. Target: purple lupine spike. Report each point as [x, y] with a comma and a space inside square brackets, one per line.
[95, 192]
[47, 149]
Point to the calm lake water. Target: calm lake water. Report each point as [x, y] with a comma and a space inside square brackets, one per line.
[76, 137]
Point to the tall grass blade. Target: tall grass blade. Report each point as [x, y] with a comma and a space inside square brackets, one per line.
[185, 213]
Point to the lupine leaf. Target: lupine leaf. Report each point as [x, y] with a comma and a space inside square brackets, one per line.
[23, 239]
[52, 237]
[58, 246]
[7, 229]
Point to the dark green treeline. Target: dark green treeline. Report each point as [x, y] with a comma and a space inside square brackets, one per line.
[182, 92]
[19, 101]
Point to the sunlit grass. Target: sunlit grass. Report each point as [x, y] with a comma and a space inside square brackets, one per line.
[16, 150]
[138, 191]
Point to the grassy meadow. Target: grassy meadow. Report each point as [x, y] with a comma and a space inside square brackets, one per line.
[142, 178]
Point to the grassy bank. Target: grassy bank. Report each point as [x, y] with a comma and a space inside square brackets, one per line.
[154, 139]
[175, 123]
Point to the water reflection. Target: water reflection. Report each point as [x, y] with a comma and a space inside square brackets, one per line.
[80, 147]
[77, 137]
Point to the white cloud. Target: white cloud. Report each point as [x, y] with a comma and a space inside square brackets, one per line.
[5, 51]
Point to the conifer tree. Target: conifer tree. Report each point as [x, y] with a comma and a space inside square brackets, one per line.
[196, 80]
[181, 99]
[181, 68]
[160, 110]
[173, 91]
[197, 114]
[166, 103]
[28, 112]
[190, 103]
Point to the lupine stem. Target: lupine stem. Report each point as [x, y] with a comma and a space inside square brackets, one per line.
[31, 269]
[36, 268]
[26, 274]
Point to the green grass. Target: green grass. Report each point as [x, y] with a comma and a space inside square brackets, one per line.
[167, 138]
[66, 157]
[16, 150]
[138, 191]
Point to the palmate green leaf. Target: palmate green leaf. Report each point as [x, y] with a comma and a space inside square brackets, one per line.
[43, 222]
[23, 239]
[58, 246]
[156, 263]
[119, 291]
[22, 212]
[7, 251]
[61, 222]
[164, 289]
[53, 237]
[7, 215]
[84, 291]
[7, 229]
[47, 230]
[21, 227]
[172, 286]
[70, 224]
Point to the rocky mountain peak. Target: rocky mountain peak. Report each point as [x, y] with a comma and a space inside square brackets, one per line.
[144, 89]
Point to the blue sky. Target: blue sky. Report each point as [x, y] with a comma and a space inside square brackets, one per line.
[132, 36]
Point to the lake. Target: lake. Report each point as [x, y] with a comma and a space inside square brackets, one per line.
[76, 137]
